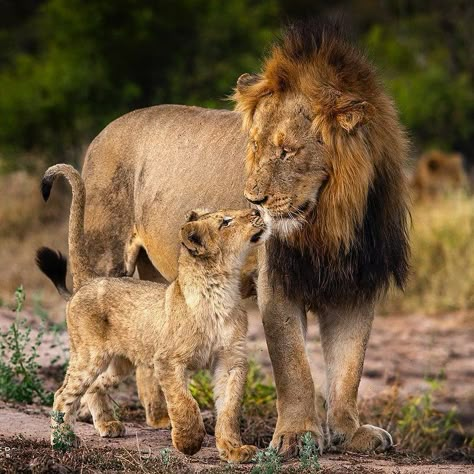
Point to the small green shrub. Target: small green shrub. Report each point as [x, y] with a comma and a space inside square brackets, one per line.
[267, 461]
[19, 368]
[309, 460]
[64, 438]
[165, 456]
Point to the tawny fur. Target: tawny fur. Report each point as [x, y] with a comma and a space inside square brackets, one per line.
[116, 324]
[325, 148]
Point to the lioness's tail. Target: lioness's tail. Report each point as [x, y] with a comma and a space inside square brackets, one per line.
[53, 264]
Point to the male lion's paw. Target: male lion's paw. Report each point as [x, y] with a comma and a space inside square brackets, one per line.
[289, 444]
[111, 429]
[188, 440]
[370, 438]
[235, 454]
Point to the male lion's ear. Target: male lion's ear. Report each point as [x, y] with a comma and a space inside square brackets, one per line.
[247, 80]
[249, 90]
[354, 114]
[195, 214]
[193, 239]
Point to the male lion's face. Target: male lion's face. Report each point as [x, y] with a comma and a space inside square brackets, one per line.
[286, 161]
[223, 236]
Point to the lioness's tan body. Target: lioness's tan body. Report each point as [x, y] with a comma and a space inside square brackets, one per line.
[174, 158]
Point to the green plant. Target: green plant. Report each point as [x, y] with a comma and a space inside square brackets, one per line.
[267, 461]
[165, 456]
[309, 459]
[422, 427]
[19, 368]
[63, 437]
[201, 389]
[258, 394]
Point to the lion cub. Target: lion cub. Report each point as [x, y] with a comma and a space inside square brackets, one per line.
[196, 322]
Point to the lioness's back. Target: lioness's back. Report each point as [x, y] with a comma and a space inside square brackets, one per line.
[147, 168]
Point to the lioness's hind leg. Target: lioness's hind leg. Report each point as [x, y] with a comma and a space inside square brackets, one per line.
[132, 249]
[98, 400]
[152, 398]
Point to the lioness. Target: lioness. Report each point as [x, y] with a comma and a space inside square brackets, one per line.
[324, 156]
[196, 322]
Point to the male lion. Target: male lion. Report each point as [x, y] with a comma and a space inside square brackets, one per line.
[325, 151]
[115, 324]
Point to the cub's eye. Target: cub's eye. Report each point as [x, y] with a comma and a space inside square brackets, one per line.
[225, 222]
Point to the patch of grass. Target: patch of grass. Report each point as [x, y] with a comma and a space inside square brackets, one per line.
[19, 367]
[442, 276]
[38, 457]
[415, 423]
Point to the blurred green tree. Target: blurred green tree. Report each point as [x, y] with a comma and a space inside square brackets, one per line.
[93, 61]
[68, 67]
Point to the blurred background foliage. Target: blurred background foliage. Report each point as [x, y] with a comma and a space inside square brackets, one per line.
[68, 67]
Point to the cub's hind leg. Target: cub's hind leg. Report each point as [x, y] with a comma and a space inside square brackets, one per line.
[149, 391]
[81, 374]
[98, 400]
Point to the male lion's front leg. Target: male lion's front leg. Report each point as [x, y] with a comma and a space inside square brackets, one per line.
[344, 337]
[284, 324]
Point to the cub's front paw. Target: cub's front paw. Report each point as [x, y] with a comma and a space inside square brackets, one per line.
[111, 429]
[188, 440]
[235, 453]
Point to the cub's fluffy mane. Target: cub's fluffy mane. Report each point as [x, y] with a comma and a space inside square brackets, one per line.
[355, 241]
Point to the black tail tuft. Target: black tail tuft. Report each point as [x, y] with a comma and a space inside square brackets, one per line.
[54, 266]
[46, 185]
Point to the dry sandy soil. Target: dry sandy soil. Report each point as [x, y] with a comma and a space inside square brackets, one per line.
[407, 349]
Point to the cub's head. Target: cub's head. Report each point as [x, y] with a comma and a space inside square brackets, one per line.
[223, 236]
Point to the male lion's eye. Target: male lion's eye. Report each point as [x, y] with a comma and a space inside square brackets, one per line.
[225, 222]
[286, 152]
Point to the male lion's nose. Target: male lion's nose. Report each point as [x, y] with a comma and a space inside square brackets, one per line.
[256, 199]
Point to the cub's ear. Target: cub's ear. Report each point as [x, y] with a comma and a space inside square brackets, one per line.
[354, 114]
[192, 238]
[195, 214]
[247, 80]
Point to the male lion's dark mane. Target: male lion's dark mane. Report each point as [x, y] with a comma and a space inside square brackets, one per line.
[378, 255]
[318, 265]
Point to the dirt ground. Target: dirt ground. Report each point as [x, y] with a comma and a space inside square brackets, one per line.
[407, 349]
